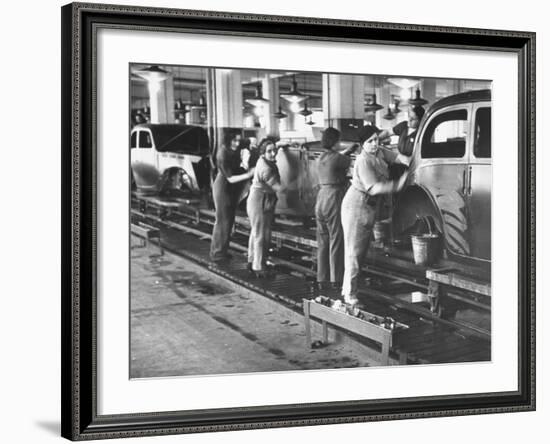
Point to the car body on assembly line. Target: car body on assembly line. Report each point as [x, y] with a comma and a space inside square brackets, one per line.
[167, 157]
[450, 176]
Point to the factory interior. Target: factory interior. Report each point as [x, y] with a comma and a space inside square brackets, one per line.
[242, 266]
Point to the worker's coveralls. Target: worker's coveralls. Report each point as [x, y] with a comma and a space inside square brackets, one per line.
[261, 211]
[332, 169]
[358, 216]
[225, 197]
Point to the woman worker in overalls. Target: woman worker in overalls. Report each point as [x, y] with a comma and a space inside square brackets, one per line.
[225, 191]
[261, 206]
[360, 205]
[332, 168]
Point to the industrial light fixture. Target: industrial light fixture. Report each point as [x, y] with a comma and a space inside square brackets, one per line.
[152, 73]
[279, 114]
[305, 111]
[258, 100]
[294, 96]
[310, 122]
[418, 101]
[396, 109]
[372, 106]
[403, 83]
[389, 115]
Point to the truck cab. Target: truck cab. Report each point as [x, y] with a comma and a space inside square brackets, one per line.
[169, 157]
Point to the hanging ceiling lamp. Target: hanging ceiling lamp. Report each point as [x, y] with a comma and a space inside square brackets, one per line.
[372, 106]
[294, 96]
[305, 111]
[418, 101]
[153, 73]
[279, 114]
[310, 122]
[396, 109]
[389, 115]
[258, 100]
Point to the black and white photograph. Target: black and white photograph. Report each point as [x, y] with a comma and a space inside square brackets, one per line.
[301, 220]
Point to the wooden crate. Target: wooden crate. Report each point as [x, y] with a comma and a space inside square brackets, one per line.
[371, 326]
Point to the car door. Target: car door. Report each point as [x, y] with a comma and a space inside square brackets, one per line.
[144, 159]
[479, 180]
[442, 171]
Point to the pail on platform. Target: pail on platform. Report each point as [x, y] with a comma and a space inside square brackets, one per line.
[425, 248]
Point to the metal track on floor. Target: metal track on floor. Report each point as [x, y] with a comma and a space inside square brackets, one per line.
[428, 340]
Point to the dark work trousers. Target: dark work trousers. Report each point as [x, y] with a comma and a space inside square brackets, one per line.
[260, 207]
[330, 236]
[225, 197]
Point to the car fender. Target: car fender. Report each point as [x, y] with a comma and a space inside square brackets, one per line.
[169, 162]
[445, 206]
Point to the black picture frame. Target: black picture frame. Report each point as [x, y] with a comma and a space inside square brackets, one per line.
[80, 420]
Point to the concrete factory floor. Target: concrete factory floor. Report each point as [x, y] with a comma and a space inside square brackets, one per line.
[185, 320]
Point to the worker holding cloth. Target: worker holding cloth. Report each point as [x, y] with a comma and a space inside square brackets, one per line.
[225, 192]
[332, 168]
[406, 131]
[260, 206]
[361, 202]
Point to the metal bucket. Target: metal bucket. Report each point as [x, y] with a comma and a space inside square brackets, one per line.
[426, 248]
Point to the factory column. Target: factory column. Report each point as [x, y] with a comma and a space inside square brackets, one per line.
[343, 103]
[270, 89]
[227, 100]
[161, 95]
[160, 85]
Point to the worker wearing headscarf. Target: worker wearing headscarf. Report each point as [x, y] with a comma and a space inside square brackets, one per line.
[332, 168]
[225, 192]
[360, 205]
[260, 206]
[406, 132]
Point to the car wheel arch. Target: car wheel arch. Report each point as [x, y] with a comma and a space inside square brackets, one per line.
[418, 201]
